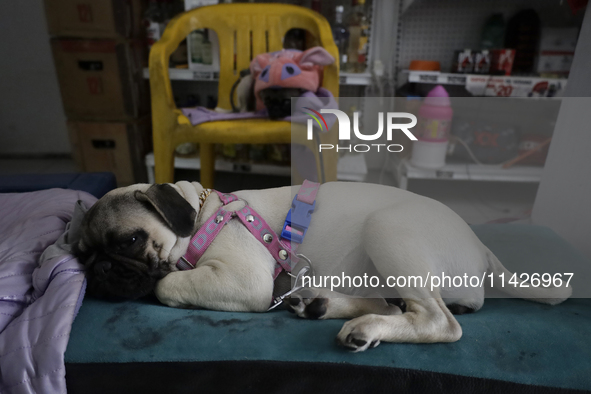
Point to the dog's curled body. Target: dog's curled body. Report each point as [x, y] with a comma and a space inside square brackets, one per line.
[398, 232]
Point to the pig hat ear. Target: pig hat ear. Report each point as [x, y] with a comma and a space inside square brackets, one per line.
[259, 63]
[316, 55]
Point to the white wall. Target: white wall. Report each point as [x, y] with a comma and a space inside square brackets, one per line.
[563, 201]
[32, 119]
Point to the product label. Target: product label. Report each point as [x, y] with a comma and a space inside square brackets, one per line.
[153, 32]
[435, 130]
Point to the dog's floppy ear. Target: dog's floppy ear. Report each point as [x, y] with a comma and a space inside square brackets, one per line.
[177, 213]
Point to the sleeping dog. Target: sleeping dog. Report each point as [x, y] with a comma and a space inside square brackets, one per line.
[133, 237]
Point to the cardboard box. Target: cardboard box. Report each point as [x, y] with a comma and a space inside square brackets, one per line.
[557, 50]
[95, 19]
[559, 39]
[101, 79]
[555, 63]
[117, 147]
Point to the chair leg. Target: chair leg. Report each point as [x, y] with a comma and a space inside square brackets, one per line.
[163, 164]
[207, 157]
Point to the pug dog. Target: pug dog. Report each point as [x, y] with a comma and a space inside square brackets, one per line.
[132, 238]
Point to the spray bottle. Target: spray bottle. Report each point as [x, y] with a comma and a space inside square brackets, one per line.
[432, 131]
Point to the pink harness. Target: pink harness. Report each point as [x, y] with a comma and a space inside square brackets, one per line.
[282, 250]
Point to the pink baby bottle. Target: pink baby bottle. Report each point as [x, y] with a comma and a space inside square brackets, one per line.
[432, 130]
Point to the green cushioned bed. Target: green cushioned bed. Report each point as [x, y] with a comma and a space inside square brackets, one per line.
[510, 345]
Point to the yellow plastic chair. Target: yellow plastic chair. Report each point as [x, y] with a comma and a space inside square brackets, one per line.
[234, 24]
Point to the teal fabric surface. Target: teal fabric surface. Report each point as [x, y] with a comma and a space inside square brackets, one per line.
[512, 340]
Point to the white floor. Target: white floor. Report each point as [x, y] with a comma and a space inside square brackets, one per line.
[475, 202]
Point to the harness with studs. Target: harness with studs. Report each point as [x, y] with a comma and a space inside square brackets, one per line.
[283, 249]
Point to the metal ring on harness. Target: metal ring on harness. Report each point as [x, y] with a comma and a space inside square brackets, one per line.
[307, 260]
[303, 271]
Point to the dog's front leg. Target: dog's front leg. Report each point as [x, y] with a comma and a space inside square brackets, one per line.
[218, 286]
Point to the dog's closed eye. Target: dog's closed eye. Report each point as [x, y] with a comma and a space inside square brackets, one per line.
[126, 243]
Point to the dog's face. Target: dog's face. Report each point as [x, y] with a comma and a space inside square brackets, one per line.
[278, 101]
[132, 237]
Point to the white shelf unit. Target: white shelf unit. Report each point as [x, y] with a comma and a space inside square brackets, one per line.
[404, 171]
[362, 79]
[434, 29]
[194, 163]
[350, 168]
[184, 74]
[487, 85]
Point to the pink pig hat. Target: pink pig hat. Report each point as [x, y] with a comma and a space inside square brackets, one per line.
[289, 68]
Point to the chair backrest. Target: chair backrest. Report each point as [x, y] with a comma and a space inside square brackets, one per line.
[244, 31]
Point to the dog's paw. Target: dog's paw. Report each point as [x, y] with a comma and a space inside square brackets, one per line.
[359, 334]
[308, 304]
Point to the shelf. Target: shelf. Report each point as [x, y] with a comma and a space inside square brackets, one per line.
[350, 168]
[355, 78]
[194, 163]
[470, 172]
[493, 85]
[183, 74]
[437, 77]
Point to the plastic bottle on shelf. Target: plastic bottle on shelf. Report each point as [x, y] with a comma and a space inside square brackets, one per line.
[432, 131]
[154, 21]
[493, 32]
[206, 49]
[196, 40]
[358, 37]
[340, 34]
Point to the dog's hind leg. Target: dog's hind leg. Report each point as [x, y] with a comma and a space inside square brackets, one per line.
[312, 303]
[426, 320]
[406, 254]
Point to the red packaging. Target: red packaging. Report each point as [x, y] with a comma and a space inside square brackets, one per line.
[529, 142]
[502, 61]
[482, 62]
[463, 61]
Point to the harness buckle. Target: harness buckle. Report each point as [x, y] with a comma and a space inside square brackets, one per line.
[297, 220]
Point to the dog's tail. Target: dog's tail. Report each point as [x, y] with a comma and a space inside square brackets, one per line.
[551, 295]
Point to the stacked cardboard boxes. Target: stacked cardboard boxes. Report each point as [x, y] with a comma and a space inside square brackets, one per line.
[99, 55]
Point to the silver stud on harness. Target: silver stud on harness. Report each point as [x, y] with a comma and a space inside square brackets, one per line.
[283, 254]
[267, 238]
